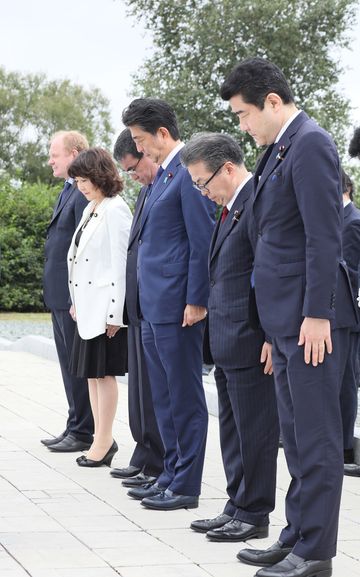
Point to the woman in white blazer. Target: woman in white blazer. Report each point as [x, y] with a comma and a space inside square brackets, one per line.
[96, 266]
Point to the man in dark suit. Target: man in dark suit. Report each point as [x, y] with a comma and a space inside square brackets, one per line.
[174, 237]
[64, 147]
[305, 304]
[349, 388]
[147, 459]
[248, 420]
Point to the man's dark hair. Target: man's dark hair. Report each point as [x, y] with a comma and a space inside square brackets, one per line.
[125, 145]
[212, 148]
[347, 184]
[254, 79]
[354, 146]
[150, 114]
[97, 165]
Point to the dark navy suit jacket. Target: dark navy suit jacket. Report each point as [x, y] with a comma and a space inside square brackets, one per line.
[351, 247]
[233, 343]
[176, 227]
[299, 271]
[65, 218]
[132, 313]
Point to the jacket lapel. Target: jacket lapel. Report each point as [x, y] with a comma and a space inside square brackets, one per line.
[63, 200]
[223, 230]
[90, 228]
[160, 187]
[278, 153]
[135, 226]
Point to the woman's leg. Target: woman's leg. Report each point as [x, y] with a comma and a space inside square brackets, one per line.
[93, 395]
[107, 399]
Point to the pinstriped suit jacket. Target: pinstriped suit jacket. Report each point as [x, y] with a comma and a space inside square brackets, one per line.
[233, 343]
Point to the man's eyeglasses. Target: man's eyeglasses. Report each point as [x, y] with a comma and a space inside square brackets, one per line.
[132, 169]
[204, 187]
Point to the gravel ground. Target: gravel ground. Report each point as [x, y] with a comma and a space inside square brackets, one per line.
[15, 329]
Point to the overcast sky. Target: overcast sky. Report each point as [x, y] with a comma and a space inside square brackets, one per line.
[94, 43]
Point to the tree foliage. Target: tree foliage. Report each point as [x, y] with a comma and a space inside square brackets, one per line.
[25, 213]
[197, 43]
[32, 108]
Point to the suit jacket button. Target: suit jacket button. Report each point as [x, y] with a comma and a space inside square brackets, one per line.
[212, 283]
[86, 259]
[70, 259]
[89, 281]
[112, 284]
[75, 284]
[140, 241]
[111, 316]
[112, 300]
[129, 251]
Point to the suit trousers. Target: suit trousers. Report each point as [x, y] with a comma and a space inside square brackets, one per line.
[249, 438]
[311, 427]
[80, 420]
[148, 454]
[174, 360]
[349, 391]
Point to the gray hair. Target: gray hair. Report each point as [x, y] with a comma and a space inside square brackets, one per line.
[212, 148]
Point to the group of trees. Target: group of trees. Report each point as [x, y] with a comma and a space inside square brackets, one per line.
[196, 43]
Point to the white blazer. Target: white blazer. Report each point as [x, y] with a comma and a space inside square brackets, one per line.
[97, 267]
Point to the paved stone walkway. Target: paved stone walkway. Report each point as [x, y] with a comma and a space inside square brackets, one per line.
[59, 520]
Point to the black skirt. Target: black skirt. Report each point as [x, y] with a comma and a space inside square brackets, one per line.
[99, 357]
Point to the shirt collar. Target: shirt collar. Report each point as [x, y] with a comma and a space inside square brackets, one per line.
[286, 125]
[172, 154]
[237, 191]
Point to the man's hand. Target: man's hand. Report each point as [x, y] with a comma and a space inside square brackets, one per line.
[193, 314]
[315, 334]
[111, 330]
[265, 357]
[72, 313]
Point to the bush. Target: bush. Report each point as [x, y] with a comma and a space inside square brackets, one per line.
[25, 213]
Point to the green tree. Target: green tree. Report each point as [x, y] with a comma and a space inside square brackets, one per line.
[197, 43]
[25, 213]
[32, 108]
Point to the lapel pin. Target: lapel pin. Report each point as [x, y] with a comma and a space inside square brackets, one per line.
[169, 175]
[279, 155]
[236, 216]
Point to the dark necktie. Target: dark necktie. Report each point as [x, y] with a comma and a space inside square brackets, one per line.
[224, 213]
[261, 163]
[158, 176]
[62, 194]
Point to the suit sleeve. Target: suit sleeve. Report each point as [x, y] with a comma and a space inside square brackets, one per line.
[316, 181]
[199, 219]
[80, 204]
[118, 222]
[351, 252]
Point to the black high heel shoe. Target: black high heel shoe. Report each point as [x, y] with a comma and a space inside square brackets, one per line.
[106, 460]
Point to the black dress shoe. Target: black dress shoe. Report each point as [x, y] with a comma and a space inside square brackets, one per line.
[53, 440]
[145, 491]
[264, 558]
[125, 472]
[236, 530]
[294, 566]
[168, 501]
[106, 460]
[70, 444]
[205, 525]
[140, 480]
[352, 470]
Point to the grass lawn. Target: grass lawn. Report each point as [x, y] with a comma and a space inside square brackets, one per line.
[37, 317]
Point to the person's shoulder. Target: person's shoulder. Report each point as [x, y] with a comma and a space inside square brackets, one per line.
[119, 206]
